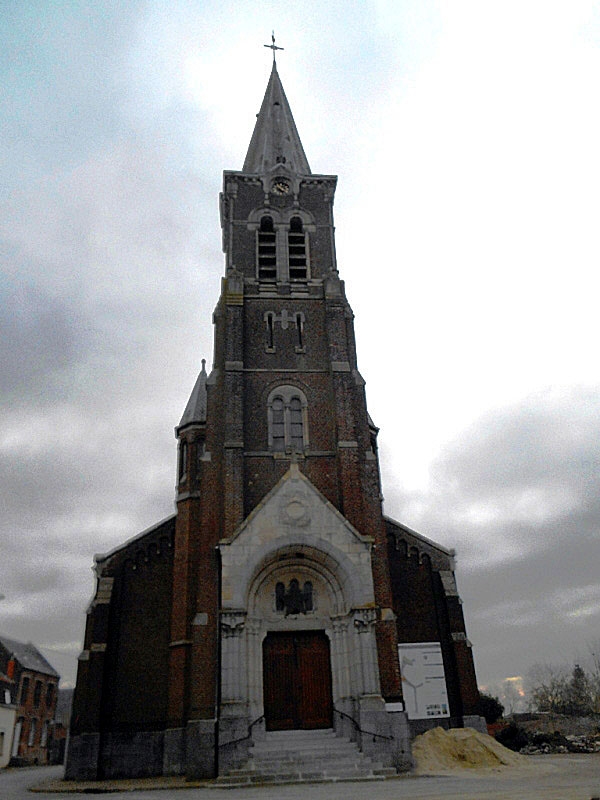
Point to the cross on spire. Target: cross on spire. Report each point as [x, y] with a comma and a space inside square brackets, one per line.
[273, 46]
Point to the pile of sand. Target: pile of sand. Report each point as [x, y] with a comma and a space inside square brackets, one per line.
[439, 750]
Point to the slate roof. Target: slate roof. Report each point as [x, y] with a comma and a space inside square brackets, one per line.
[28, 656]
[195, 411]
[275, 139]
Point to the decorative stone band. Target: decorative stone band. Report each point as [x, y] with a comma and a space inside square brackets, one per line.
[105, 586]
[461, 636]
[340, 366]
[449, 583]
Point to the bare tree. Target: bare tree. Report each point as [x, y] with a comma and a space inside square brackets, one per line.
[594, 674]
[547, 687]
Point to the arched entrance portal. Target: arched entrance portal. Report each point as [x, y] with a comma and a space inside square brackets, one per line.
[297, 681]
[298, 618]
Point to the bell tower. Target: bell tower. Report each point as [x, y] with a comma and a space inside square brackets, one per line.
[284, 392]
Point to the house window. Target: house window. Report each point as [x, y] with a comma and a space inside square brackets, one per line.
[17, 737]
[266, 245]
[297, 256]
[37, 694]
[287, 417]
[49, 695]
[24, 691]
[31, 738]
[44, 739]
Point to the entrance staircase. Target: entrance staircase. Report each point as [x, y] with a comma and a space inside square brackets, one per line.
[304, 757]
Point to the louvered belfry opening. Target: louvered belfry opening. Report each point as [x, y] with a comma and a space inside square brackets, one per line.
[297, 250]
[267, 251]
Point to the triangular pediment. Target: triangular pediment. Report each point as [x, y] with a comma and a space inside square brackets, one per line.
[292, 504]
[296, 523]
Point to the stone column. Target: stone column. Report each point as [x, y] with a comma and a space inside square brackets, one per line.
[364, 624]
[254, 650]
[233, 657]
[233, 719]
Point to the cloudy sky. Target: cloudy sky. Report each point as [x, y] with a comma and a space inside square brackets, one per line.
[465, 136]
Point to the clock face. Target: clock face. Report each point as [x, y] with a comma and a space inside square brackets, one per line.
[280, 186]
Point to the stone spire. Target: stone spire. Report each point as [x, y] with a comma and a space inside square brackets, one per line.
[195, 411]
[275, 139]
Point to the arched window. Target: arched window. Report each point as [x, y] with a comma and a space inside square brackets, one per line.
[295, 600]
[24, 691]
[297, 256]
[183, 458]
[49, 695]
[287, 417]
[266, 245]
[37, 694]
[278, 425]
[279, 597]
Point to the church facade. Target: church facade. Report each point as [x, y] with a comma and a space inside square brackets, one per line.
[279, 596]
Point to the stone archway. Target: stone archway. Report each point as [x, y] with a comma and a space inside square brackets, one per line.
[295, 536]
[348, 630]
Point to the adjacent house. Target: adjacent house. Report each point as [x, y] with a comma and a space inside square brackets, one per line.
[29, 688]
[8, 716]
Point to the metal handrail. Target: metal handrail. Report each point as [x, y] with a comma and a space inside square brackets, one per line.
[247, 736]
[360, 730]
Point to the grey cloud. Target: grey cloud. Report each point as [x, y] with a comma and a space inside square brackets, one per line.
[527, 569]
[38, 341]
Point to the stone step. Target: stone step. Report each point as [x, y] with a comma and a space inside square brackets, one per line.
[327, 751]
[320, 766]
[304, 756]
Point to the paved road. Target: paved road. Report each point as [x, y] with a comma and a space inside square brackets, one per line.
[563, 777]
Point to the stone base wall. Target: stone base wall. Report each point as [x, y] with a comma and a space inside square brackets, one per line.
[132, 755]
[174, 752]
[82, 757]
[235, 741]
[391, 744]
[200, 749]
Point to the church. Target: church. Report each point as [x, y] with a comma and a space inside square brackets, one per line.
[278, 600]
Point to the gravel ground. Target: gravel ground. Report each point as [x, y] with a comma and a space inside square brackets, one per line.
[554, 777]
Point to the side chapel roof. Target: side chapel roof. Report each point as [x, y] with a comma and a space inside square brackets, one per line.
[195, 411]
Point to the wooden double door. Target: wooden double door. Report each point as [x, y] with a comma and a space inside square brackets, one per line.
[297, 681]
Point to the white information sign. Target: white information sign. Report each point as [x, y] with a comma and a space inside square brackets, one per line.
[423, 680]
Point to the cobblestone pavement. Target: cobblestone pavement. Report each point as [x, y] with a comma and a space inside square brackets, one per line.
[558, 777]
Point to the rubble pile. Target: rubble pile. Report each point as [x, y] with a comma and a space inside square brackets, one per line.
[543, 743]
